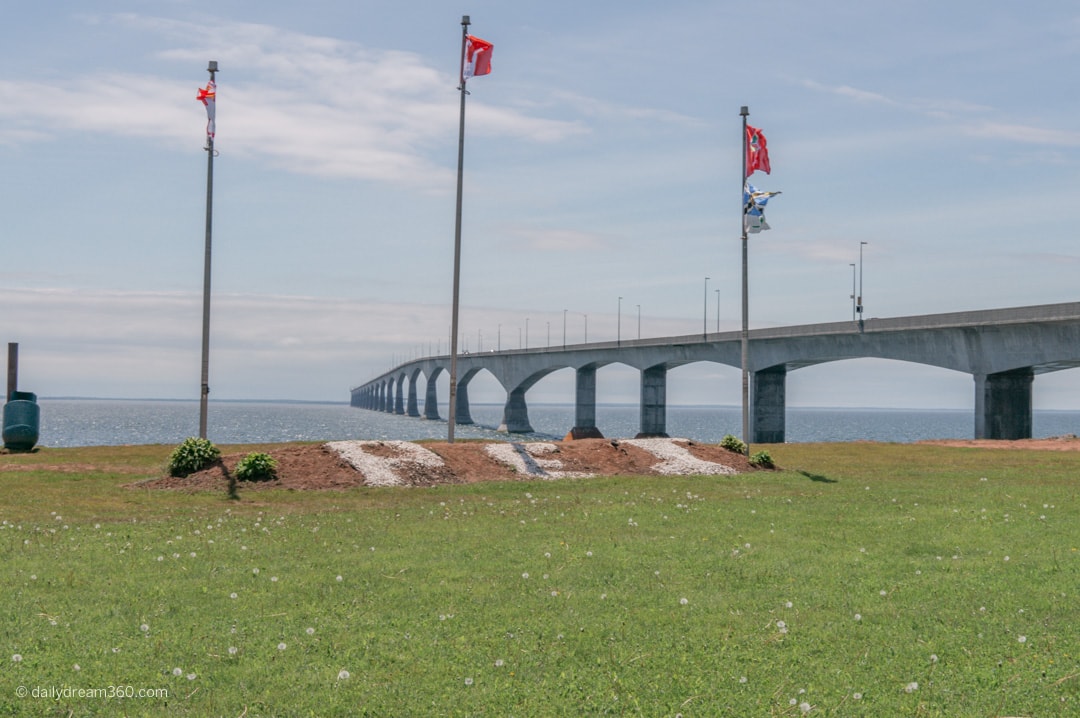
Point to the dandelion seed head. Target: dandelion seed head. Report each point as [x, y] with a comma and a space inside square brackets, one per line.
[144, 628]
[177, 671]
[1022, 639]
[310, 631]
[232, 650]
[499, 663]
[343, 675]
[281, 646]
[191, 676]
[76, 667]
[911, 687]
[857, 696]
[468, 681]
[804, 707]
[683, 601]
[17, 658]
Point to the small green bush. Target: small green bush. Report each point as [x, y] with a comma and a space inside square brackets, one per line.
[761, 458]
[733, 443]
[256, 467]
[192, 455]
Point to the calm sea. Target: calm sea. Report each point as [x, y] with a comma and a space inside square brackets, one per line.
[96, 422]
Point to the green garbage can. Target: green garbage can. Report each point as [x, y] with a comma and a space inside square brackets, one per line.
[22, 417]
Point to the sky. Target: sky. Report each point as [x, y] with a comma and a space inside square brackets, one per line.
[602, 161]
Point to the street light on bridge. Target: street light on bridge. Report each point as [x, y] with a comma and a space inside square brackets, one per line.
[862, 320]
[705, 312]
[618, 330]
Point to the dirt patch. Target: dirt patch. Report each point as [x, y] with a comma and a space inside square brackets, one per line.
[1069, 442]
[393, 464]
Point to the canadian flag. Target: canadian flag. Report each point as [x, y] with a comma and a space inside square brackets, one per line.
[477, 57]
[208, 97]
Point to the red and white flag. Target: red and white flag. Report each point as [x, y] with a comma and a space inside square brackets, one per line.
[477, 57]
[208, 96]
[757, 154]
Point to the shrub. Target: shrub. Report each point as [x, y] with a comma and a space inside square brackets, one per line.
[192, 455]
[733, 443]
[761, 458]
[256, 467]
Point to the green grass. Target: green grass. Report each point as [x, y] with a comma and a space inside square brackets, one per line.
[835, 585]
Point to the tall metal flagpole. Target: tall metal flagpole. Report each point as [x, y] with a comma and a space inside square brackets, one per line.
[452, 417]
[745, 112]
[205, 389]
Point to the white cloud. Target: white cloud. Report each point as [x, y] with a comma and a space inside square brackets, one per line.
[308, 104]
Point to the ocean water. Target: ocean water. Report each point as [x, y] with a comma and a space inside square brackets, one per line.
[98, 422]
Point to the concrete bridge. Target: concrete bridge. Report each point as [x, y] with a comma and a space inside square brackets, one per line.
[1002, 349]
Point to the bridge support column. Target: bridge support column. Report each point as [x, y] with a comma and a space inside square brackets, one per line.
[653, 402]
[585, 406]
[388, 405]
[1003, 404]
[412, 409]
[431, 399]
[462, 415]
[516, 414]
[768, 406]
[399, 396]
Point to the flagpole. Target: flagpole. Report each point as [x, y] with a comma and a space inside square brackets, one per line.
[452, 416]
[205, 388]
[745, 112]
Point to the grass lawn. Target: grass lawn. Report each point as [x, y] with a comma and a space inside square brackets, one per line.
[861, 580]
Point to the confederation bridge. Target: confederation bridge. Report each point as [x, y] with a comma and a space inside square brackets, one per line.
[1002, 349]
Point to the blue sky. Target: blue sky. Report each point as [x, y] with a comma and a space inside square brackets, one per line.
[602, 160]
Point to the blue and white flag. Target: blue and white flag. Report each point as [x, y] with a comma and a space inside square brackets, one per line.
[754, 201]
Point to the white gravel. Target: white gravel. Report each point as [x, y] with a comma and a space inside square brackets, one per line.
[525, 459]
[380, 470]
[676, 459]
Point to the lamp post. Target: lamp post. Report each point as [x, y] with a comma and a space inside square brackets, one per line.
[717, 310]
[526, 332]
[586, 327]
[564, 328]
[618, 329]
[549, 335]
[498, 338]
[853, 292]
[639, 321]
[705, 312]
[860, 308]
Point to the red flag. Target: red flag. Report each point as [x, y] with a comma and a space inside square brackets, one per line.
[757, 154]
[477, 57]
[208, 96]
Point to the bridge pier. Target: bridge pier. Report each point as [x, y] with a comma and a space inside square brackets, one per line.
[388, 405]
[462, 415]
[431, 398]
[769, 405]
[399, 396]
[412, 409]
[585, 405]
[1003, 404]
[653, 402]
[516, 414]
